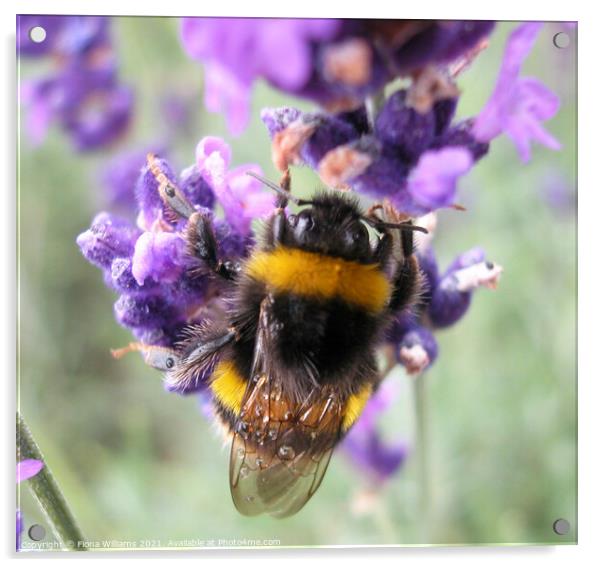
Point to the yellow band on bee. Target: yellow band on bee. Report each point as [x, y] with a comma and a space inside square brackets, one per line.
[228, 385]
[311, 274]
[355, 406]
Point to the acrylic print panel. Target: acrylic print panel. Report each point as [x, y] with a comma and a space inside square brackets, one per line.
[170, 302]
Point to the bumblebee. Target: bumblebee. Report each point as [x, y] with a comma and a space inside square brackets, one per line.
[292, 363]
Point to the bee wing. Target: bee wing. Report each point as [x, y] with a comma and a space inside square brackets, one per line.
[280, 451]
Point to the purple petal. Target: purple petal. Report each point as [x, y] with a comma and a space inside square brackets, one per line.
[213, 158]
[160, 256]
[108, 237]
[519, 45]
[518, 105]
[466, 259]
[277, 119]
[224, 92]
[236, 51]
[292, 71]
[148, 312]
[404, 128]
[432, 183]
[147, 193]
[448, 305]
[385, 177]
[250, 198]
[196, 188]
[28, 468]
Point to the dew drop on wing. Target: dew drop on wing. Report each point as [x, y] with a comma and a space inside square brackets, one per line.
[286, 452]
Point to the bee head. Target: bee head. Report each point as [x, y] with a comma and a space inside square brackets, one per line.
[332, 225]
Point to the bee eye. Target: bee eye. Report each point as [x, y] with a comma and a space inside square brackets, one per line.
[292, 220]
[305, 221]
[360, 234]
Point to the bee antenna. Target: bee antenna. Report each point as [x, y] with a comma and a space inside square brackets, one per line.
[282, 192]
[378, 224]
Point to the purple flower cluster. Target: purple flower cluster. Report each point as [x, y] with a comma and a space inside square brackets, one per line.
[162, 288]
[336, 63]
[82, 93]
[445, 299]
[410, 150]
[411, 158]
[518, 105]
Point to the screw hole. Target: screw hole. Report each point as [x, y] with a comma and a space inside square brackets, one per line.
[37, 34]
[562, 40]
[36, 532]
[561, 526]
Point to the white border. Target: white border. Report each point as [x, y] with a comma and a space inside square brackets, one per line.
[590, 375]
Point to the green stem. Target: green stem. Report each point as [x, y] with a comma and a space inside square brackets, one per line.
[422, 455]
[47, 492]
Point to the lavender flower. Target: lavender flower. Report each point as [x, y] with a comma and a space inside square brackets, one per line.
[120, 174]
[432, 183]
[364, 444]
[445, 300]
[337, 63]
[25, 470]
[518, 105]
[241, 196]
[82, 94]
[237, 51]
[162, 289]
[414, 159]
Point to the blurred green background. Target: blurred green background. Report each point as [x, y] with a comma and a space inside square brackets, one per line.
[139, 464]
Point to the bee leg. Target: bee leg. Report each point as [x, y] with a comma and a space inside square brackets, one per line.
[407, 279]
[276, 227]
[202, 244]
[199, 229]
[407, 243]
[197, 357]
[207, 348]
[382, 253]
[160, 358]
[278, 221]
[406, 285]
[285, 184]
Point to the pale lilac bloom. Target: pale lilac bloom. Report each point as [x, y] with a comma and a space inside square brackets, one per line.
[28, 468]
[236, 51]
[160, 256]
[432, 183]
[242, 197]
[518, 105]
